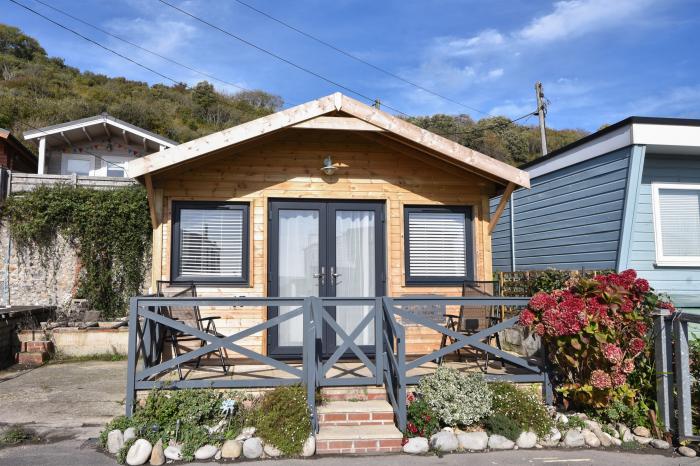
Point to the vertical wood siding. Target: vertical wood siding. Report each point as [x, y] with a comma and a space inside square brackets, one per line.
[288, 166]
[569, 219]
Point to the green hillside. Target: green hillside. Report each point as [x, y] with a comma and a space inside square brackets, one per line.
[37, 90]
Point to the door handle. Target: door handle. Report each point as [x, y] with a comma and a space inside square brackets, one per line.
[321, 275]
[334, 274]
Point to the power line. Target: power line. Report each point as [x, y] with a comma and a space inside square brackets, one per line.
[73, 31]
[183, 65]
[361, 60]
[278, 57]
[472, 131]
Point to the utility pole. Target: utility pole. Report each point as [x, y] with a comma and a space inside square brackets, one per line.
[541, 112]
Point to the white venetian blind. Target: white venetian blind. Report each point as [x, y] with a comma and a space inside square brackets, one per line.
[437, 244]
[211, 242]
[679, 211]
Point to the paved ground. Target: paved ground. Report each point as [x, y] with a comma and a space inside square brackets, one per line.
[67, 400]
[68, 404]
[75, 453]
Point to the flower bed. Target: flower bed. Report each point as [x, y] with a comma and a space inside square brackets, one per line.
[209, 424]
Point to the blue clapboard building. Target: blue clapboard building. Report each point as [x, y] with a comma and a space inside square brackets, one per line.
[627, 196]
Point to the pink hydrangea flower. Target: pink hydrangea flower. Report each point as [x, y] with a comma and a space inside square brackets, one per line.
[612, 353]
[618, 379]
[636, 346]
[527, 317]
[627, 366]
[600, 379]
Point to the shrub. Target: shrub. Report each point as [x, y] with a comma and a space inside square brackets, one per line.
[500, 424]
[522, 406]
[422, 421]
[456, 398]
[284, 419]
[631, 415]
[158, 419]
[595, 333]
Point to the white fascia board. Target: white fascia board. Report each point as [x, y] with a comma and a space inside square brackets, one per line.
[617, 139]
[96, 121]
[666, 135]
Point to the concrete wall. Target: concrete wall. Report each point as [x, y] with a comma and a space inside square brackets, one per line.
[570, 218]
[31, 282]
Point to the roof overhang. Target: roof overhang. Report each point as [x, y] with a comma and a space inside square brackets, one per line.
[335, 112]
[659, 135]
[98, 127]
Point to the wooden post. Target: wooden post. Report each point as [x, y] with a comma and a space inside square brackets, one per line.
[42, 156]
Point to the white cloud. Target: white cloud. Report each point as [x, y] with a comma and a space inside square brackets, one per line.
[572, 18]
[162, 36]
[568, 19]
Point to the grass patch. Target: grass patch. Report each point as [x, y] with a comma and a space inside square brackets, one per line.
[60, 358]
[14, 435]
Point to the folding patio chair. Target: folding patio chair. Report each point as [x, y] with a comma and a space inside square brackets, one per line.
[188, 315]
[474, 319]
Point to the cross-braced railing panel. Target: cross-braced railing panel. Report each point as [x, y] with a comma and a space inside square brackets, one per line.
[348, 346]
[148, 327]
[383, 357]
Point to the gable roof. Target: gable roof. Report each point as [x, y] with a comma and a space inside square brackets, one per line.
[663, 134]
[80, 128]
[313, 114]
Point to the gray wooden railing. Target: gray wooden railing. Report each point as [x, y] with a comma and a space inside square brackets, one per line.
[386, 364]
[672, 358]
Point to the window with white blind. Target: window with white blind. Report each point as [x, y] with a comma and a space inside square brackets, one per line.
[438, 244]
[676, 208]
[210, 242]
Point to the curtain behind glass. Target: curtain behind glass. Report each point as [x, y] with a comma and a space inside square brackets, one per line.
[355, 262]
[298, 262]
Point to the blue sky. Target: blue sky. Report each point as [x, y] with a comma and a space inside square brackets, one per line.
[599, 60]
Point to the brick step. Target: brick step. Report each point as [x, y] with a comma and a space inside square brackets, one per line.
[358, 439]
[35, 346]
[355, 413]
[33, 358]
[353, 393]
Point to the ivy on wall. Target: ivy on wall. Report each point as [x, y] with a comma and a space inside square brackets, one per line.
[110, 230]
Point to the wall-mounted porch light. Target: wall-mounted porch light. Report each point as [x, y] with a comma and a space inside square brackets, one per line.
[328, 167]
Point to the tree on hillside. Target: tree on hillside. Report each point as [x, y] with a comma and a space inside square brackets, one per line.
[15, 42]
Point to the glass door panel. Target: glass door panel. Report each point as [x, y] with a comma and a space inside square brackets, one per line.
[298, 259]
[355, 269]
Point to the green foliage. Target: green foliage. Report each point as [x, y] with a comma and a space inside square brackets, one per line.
[576, 422]
[158, 419]
[630, 415]
[120, 422]
[39, 91]
[422, 421]
[284, 419]
[522, 406]
[695, 375]
[110, 231]
[497, 136]
[14, 42]
[121, 454]
[456, 398]
[500, 424]
[549, 280]
[14, 435]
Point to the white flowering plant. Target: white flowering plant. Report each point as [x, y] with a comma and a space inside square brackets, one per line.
[457, 399]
